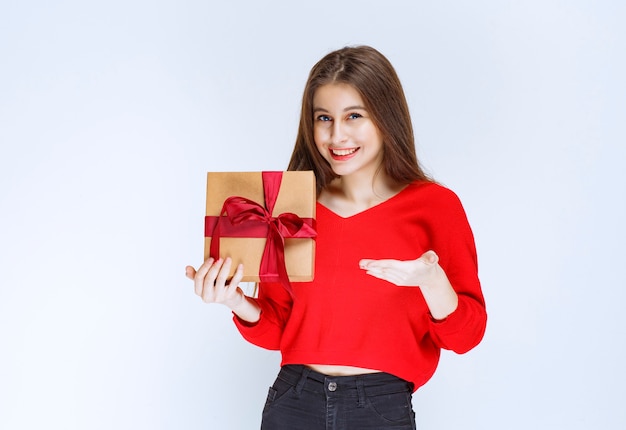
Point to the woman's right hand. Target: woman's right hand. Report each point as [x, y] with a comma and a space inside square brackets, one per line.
[212, 285]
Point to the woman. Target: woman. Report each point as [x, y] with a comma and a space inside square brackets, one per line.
[396, 272]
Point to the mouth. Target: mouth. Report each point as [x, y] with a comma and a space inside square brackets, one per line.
[342, 154]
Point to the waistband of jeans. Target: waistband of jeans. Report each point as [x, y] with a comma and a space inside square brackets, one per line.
[374, 383]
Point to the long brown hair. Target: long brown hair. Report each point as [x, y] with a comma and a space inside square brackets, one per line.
[373, 76]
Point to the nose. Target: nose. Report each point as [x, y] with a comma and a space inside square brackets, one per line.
[338, 133]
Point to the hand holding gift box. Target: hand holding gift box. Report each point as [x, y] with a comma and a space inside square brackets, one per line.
[265, 220]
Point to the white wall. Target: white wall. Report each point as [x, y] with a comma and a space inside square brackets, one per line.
[112, 112]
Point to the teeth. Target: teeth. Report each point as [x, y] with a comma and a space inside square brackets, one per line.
[342, 152]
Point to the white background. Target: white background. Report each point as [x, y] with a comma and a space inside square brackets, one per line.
[112, 112]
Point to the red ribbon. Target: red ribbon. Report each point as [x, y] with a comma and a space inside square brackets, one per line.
[242, 217]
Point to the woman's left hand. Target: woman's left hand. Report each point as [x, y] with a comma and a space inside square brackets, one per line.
[425, 273]
[411, 273]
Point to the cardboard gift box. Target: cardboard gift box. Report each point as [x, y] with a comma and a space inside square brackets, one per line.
[265, 220]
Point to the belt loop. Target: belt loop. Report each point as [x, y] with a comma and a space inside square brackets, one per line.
[360, 393]
[303, 378]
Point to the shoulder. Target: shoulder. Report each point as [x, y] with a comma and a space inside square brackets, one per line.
[432, 192]
[434, 201]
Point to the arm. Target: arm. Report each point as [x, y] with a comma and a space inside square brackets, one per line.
[425, 273]
[260, 321]
[274, 303]
[448, 279]
[465, 327]
[210, 283]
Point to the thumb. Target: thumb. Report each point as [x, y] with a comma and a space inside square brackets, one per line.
[430, 257]
[190, 272]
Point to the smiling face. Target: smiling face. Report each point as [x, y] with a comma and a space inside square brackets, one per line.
[344, 132]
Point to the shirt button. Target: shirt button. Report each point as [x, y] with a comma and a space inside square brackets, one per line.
[332, 386]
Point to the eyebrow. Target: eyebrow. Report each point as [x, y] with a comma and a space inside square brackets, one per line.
[349, 108]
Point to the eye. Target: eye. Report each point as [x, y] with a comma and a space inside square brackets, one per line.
[323, 118]
[355, 115]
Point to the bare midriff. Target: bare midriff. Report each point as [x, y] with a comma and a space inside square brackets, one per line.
[333, 370]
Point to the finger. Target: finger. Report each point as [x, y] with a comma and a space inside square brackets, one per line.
[378, 264]
[213, 271]
[383, 271]
[233, 290]
[223, 273]
[219, 275]
[387, 268]
[375, 274]
[206, 265]
[190, 272]
[198, 279]
[364, 263]
[238, 276]
[382, 275]
[208, 292]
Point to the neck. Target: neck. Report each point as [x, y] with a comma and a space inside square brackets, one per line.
[350, 194]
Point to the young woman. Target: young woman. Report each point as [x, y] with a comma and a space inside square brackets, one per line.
[395, 274]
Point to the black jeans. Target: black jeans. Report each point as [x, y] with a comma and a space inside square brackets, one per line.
[302, 399]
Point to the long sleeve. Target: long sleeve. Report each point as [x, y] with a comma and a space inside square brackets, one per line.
[275, 304]
[454, 240]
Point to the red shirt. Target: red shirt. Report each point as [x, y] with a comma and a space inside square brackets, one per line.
[346, 317]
